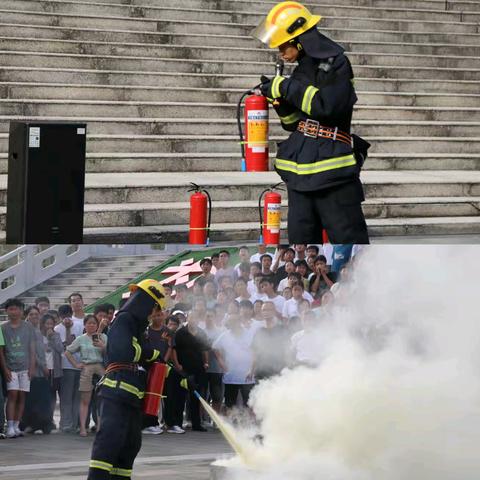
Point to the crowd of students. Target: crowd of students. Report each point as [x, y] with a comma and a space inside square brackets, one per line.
[236, 325]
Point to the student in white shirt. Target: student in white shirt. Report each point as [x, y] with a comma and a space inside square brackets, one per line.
[232, 349]
[270, 295]
[76, 303]
[304, 344]
[290, 309]
[262, 250]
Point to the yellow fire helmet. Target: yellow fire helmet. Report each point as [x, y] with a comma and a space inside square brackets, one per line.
[154, 288]
[284, 22]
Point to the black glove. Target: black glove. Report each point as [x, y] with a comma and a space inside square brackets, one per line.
[265, 85]
[270, 87]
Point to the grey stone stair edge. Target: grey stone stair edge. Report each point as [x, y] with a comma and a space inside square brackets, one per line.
[226, 232]
[213, 179]
[232, 121]
[227, 106]
[272, 138]
[455, 16]
[209, 75]
[262, 62]
[206, 75]
[435, 3]
[236, 90]
[347, 31]
[243, 25]
[388, 66]
[345, 42]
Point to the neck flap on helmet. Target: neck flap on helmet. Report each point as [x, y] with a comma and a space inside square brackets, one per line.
[317, 45]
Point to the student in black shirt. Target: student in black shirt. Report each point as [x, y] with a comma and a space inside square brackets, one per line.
[191, 347]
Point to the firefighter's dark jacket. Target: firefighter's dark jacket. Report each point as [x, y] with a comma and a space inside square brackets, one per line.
[320, 88]
[127, 345]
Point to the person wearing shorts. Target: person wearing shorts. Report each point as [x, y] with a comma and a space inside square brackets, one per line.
[91, 346]
[19, 365]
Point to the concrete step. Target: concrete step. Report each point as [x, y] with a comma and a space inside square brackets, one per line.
[220, 144]
[137, 187]
[86, 108]
[223, 143]
[171, 213]
[166, 214]
[118, 79]
[242, 232]
[395, 66]
[342, 35]
[57, 299]
[456, 5]
[85, 283]
[228, 126]
[9, 90]
[215, 47]
[150, 52]
[264, 6]
[230, 162]
[249, 13]
[194, 21]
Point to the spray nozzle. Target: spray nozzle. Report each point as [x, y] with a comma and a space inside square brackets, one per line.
[279, 67]
[195, 188]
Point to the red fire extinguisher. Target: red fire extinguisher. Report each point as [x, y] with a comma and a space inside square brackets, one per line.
[200, 216]
[255, 146]
[270, 215]
[155, 381]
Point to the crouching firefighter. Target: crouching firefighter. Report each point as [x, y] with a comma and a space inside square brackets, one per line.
[320, 162]
[122, 389]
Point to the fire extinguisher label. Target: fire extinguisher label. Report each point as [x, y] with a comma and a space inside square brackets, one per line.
[274, 217]
[257, 129]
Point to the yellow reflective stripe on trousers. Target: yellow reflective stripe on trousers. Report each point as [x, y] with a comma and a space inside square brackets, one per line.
[123, 386]
[307, 99]
[291, 118]
[276, 86]
[101, 465]
[121, 472]
[155, 355]
[109, 383]
[317, 167]
[138, 349]
[131, 389]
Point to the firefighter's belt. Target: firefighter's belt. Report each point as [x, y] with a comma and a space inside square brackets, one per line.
[312, 128]
[113, 367]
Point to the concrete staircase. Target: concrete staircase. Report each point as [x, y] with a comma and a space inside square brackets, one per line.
[94, 278]
[158, 85]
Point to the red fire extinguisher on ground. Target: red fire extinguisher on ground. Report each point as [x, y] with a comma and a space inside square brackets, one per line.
[255, 145]
[270, 215]
[155, 381]
[200, 216]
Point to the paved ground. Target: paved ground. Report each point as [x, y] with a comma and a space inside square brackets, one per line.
[62, 456]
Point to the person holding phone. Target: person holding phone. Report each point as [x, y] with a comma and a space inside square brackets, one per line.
[91, 346]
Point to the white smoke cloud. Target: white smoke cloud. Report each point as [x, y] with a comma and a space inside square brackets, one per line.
[396, 396]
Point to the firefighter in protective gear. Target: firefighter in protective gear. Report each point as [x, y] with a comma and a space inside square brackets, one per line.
[320, 162]
[122, 389]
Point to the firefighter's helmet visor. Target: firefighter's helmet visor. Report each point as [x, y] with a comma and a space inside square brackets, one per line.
[264, 32]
